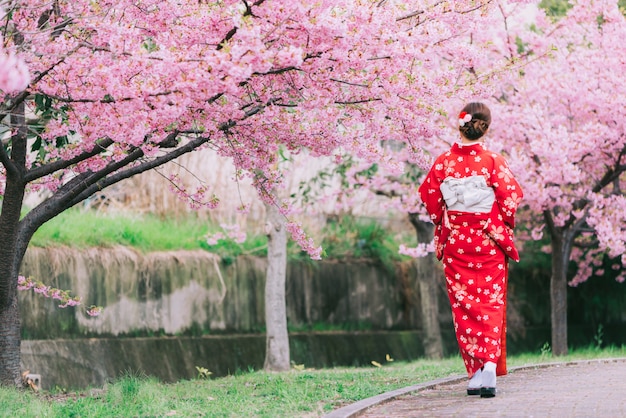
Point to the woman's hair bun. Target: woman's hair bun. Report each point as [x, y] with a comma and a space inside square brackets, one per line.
[477, 125]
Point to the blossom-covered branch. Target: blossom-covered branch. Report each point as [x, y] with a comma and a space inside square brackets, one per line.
[64, 296]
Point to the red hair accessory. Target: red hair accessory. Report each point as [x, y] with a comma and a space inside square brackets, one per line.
[464, 117]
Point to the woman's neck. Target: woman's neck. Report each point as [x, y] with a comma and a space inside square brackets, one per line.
[465, 141]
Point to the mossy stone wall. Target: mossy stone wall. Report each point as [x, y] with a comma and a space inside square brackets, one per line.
[195, 293]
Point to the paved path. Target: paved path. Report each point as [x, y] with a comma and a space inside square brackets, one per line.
[586, 389]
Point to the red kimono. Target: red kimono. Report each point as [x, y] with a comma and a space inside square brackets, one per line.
[471, 196]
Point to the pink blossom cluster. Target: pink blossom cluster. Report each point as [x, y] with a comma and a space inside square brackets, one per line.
[27, 283]
[306, 243]
[14, 75]
[421, 250]
[197, 198]
[232, 232]
[94, 310]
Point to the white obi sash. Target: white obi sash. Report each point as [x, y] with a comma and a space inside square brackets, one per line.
[467, 194]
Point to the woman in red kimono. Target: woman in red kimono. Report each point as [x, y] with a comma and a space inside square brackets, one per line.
[471, 196]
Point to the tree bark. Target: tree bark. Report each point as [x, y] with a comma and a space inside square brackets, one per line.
[10, 258]
[561, 241]
[561, 250]
[428, 285]
[277, 357]
[10, 374]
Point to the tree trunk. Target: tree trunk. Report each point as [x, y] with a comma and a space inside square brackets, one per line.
[10, 373]
[561, 249]
[428, 284]
[277, 356]
[10, 344]
[11, 251]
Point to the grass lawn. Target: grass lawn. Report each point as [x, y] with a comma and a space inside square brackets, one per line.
[298, 393]
[81, 228]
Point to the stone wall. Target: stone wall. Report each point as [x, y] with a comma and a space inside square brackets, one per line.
[199, 306]
[195, 293]
[91, 362]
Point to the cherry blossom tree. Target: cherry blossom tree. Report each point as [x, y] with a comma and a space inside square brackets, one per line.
[562, 122]
[119, 88]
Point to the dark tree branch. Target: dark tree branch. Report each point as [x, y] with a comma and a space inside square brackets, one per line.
[88, 183]
[233, 31]
[44, 170]
[608, 178]
[547, 216]
[18, 140]
[6, 161]
[68, 192]
[341, 102]
[277, 71]
[138, 169]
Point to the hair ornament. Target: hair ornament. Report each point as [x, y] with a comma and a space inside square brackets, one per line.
[464, 117]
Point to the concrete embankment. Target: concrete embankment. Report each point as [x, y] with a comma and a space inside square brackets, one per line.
[80, 363]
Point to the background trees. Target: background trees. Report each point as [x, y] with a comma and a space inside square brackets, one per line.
[567, 142]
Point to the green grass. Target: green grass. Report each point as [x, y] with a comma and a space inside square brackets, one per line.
[85, 228]
[88, 228]
[344, 237]
[298, 393]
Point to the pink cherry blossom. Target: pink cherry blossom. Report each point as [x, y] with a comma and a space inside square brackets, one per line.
[28, 283]
[561, 120]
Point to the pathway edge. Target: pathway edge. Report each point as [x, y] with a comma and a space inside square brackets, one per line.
[355, 409]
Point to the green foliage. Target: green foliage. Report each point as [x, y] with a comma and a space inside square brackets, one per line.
[150, 45]
[599, 337]
[46, 111]
[349, 237]
[555, 8]
[559, 8]
[129, 388]
[88, 228]
[203, 372]
[521, 45]
[311, 189]
[326, 327]
[228, 249]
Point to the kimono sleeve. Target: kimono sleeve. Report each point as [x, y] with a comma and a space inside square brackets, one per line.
[431, 196]
[507, 190]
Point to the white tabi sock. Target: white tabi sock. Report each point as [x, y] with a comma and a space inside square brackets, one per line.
[476, 380]
[489, 375]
